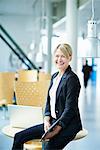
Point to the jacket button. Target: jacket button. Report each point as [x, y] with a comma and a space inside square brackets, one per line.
[56, 111]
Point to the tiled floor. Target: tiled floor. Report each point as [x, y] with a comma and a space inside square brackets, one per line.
[89, 103]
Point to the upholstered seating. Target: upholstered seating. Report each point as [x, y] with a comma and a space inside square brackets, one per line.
[14, 126]
[81, 134]
[31, 145]
[36, 144]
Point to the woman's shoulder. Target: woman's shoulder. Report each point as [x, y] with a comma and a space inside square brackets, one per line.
[74, 74]
[71, 75]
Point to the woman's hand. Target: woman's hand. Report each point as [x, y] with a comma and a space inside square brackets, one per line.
[46, 123]
[51, 134]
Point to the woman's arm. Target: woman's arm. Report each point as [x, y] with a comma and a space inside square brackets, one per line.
[51, 134]
[71, 104]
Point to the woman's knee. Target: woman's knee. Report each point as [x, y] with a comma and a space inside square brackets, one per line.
[18, 137]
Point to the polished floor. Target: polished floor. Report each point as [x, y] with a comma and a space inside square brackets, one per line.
[89, 104]
[89, 108]
[5, 141]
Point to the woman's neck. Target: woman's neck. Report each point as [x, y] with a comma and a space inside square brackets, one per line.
[61, 73]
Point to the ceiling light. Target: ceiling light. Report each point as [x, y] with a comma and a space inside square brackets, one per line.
[92, 42]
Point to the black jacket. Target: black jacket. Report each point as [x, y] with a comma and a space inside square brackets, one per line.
[67, 94]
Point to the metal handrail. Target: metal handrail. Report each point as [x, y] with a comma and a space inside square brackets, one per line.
[15, 52]
[18, 48]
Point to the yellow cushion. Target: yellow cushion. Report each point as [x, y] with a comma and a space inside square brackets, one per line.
[33, 145]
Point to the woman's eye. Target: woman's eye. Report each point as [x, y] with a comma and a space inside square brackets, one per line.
[56, 56]
[62, 56]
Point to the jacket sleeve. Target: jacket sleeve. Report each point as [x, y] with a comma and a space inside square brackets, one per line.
[47, 111]
[71, 104]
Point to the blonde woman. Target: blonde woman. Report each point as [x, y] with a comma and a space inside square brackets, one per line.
[61, 106]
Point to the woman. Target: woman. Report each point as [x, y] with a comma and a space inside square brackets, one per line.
[61, 106]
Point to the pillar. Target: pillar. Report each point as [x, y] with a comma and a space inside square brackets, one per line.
[71, 28]
[49, 35]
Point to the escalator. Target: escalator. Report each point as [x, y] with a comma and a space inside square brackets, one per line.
[15, 48]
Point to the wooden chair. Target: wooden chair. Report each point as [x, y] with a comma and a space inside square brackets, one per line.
[27, 75]
[7, 80]
[44, 76]
[31, 93]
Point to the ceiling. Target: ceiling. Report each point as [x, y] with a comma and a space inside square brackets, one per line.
[25, 7]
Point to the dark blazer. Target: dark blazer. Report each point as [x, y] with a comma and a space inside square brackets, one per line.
[67, 110]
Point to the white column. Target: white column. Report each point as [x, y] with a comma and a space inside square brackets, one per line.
[49, 34]
[71, 28]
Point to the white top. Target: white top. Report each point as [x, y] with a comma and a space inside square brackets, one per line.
[52, 94]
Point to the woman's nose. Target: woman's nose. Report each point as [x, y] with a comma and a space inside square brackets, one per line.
[60, 59]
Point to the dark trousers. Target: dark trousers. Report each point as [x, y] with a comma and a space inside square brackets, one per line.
[28, 134]
[35, 132]
[86, 82]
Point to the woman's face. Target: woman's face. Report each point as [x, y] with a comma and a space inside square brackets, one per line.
[61, 60]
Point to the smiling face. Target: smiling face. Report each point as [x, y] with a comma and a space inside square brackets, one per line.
[62, 57]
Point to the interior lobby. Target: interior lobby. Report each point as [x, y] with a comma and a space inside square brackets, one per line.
[29, 32]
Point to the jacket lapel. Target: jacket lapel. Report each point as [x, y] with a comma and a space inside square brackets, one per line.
[52, 80]
[62, 81]
[60, 85]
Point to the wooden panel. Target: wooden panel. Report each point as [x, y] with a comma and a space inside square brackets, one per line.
[44, 76]
[7, 86]
[27, 75]
[31, 93]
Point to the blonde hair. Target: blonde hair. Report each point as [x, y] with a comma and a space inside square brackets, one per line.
[65, 49]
